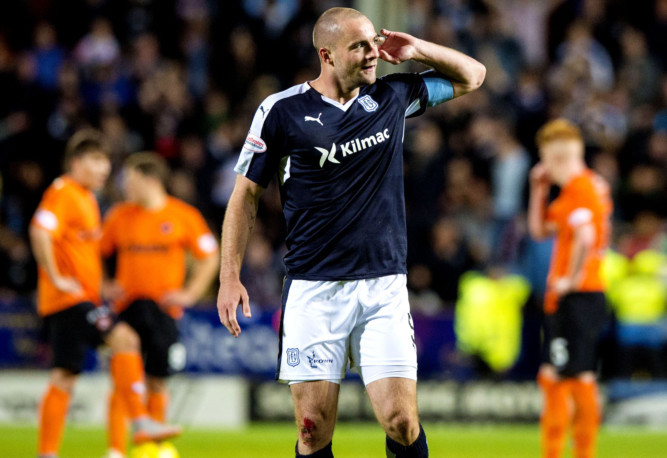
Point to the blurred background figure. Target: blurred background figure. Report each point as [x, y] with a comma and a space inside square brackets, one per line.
[151, 234]
[489, 318]
[637, 293]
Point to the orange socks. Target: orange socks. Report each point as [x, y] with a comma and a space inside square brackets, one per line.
[127, 371]
[158, 401]
[586, 423]
[52, 416]
[555, 415]
[118, 417]
[558, 395]
[117, 422]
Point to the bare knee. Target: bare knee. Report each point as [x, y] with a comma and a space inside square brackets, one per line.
[156, 384]
[123, 339]
[315, 431]
[315, 407]
[63, 379]
[395, 404]
[586, 377]
[402, 427]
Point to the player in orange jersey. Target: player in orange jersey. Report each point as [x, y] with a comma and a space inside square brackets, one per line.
[574, 305]
[65, 233]
[151, 234]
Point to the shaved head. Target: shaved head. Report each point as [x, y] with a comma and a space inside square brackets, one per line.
[328, 27]
[347, 45]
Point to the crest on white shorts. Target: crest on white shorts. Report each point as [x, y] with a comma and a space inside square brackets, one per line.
[293, 356]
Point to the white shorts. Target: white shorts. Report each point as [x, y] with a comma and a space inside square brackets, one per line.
[325, 324]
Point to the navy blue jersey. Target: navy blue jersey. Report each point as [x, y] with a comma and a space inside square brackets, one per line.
[340, 169]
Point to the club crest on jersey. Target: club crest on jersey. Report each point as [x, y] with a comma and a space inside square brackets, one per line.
[292, 357]
[368, 103]
[254, 144]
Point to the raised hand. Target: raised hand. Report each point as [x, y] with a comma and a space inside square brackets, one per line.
[563, 285]
[397, 47]
[539, 176]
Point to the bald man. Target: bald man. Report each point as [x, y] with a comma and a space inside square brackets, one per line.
[574, 305]
[336, 147]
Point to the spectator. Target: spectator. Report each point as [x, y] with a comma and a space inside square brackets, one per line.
[450, 259]
[48, 55]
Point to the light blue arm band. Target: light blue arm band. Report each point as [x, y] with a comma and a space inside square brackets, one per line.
[439, 89]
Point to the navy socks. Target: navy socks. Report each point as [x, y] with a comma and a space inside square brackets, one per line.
[322, 453]
[418, 449]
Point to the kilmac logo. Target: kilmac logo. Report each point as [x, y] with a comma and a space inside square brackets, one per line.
[351, 147]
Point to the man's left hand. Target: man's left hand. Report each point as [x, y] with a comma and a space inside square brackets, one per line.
[179, 298]
[563, 286]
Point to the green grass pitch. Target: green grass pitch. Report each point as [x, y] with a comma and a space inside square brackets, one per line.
[351, 440]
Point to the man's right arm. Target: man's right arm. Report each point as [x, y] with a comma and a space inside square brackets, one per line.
[538, 227]
[464, 73]
[111, 289]
[239, 221]
[42, 248]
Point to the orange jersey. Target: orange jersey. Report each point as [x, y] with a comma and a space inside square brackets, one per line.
[584, 200]
[69, 212]
[151, 246]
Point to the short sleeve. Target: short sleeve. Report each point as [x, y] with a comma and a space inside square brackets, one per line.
[52, 212]
[575, 207]
[263, 147]
[580, 216]
[584, 203]
[439, 87]
[411, 91]
[199, 239]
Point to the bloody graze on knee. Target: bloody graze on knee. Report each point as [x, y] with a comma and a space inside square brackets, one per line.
[307, 430]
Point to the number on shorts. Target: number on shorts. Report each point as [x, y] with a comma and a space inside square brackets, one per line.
[558, 352]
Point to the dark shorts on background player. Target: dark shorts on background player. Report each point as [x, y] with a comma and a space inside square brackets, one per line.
[72, 331]
[571, 335]
[158, 332]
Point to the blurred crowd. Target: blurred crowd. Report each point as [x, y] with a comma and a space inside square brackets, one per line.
[184, 77]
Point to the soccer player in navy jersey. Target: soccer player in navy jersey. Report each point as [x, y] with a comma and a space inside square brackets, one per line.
[336, 145]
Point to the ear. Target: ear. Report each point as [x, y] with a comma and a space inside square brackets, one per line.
[326, 56]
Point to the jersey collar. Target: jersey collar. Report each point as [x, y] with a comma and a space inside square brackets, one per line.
[338, 105]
